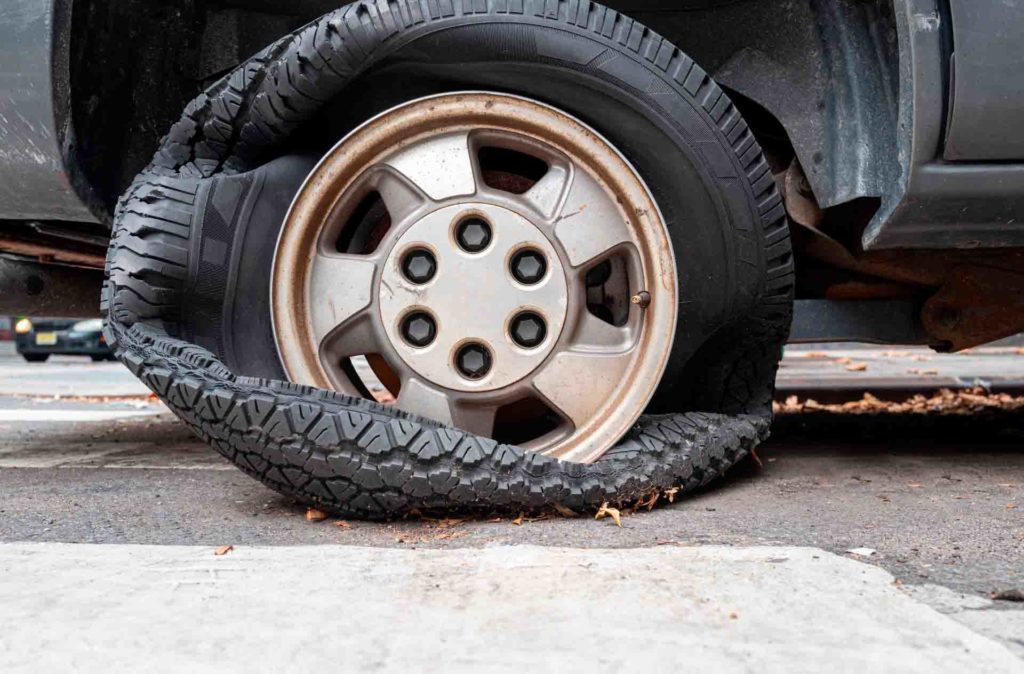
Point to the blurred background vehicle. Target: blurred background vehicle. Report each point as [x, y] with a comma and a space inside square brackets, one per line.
[37, 339]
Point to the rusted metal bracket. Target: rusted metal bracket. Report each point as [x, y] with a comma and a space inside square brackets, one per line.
[53, 243]
[976, 305]
[29, 288]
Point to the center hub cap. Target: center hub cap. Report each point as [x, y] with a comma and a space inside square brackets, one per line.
[474, 297]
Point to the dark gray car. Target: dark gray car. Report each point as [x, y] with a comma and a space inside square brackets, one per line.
[506, 253]
[38, 338]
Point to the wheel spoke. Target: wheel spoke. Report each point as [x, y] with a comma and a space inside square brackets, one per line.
[547, 193]
[440, 167]
[340, 288]
[478, 419]
[593, 334]
[401, 197]
[418, 398]
[589, 224]
[577, 382]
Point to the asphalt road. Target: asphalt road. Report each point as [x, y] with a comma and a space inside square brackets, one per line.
[942, 511]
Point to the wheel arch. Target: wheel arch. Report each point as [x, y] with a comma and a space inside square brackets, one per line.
[841, 55]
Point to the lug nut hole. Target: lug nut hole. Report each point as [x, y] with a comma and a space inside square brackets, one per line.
[473, 360]
[419, 329]
[528, 266]
[473, 234]
[528, 329]
[419, 265]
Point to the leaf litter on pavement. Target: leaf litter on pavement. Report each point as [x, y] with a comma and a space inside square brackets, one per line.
[944, 402]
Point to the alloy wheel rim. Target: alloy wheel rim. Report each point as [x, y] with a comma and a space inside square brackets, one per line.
[484, 289]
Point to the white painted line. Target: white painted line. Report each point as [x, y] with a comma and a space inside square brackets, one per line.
[114, 455]
[114, 465]
[55, 415]
[95, 608]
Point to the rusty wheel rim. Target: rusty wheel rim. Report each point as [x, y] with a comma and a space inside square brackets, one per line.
[548, 326]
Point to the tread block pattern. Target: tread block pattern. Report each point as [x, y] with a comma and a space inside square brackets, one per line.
[353, 456]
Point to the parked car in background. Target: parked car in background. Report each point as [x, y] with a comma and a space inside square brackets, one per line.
[39, 338]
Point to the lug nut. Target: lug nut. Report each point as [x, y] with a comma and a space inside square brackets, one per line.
[473, 234]
[419, 329]
[528, 266]
[419, 265]
[528, 329]
[473, 360]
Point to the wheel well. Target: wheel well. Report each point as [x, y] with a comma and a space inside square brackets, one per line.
[825, 69]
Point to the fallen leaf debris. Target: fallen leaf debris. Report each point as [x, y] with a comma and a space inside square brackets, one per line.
[607, 511]
[315, 515]
[946, 402]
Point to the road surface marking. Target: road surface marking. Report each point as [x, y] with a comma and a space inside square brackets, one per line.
[55, 415]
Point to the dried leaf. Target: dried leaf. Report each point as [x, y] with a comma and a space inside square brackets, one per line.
[1013, 594]
[671, 494]
[563, 511]
[605, 511]
[223, 550]
[757, 459]
[449, 522]
[1011, 506]
[844, 360]
[314, 515]
[862, 552]
[646, 502]
[857, 367]
[343, 524]
[815, 355]
[519, 520]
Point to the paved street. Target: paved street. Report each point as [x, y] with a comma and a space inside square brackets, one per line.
[881, 545]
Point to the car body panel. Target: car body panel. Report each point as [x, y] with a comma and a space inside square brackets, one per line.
[987, 110]
[926, 201]
[36, 179]
[938, 204]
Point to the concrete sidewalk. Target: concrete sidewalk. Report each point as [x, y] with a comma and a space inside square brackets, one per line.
[93, 608]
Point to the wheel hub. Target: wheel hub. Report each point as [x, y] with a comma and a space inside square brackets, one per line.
[473, 297]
